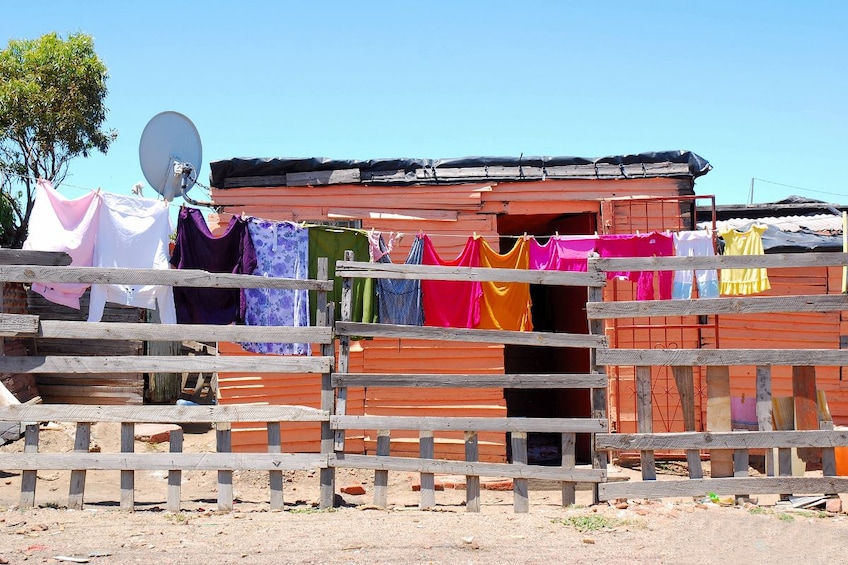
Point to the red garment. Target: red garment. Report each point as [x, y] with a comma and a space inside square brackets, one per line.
[654, 244]
[452, 304]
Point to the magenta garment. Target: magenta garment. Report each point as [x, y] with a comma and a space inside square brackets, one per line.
[60, 224]
[452, 304]
[620, 245]
[562, 253]
[197, 248]
[654, 244]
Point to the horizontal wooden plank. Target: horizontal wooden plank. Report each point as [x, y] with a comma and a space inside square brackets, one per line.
[728, 486]
[552, 380]
[166, 364]
[19, 325]
[166, 277]
[441, 466]
[154, 414]
[704, 306]
[162, 461]
[29, 257]
[722, 440]
[434, 423]
[358, 269]
[478, 336]
[776, 260]
[731, 357]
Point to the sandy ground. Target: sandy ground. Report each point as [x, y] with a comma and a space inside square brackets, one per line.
[638, 531]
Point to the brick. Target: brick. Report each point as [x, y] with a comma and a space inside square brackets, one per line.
[155, 433]
[353, 489]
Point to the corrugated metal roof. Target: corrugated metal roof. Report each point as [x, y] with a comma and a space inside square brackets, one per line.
[825, 224]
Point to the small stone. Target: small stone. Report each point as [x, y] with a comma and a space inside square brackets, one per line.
[468, 539]
[589, 541]
[354, 490]
[622, 505]
[833, 505]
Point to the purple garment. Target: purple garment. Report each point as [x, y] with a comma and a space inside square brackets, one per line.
[197, 248]
[562, 253]
[282, 250]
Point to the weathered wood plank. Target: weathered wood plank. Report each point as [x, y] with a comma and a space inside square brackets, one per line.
[645, 420]
[685, 381]
[723, 440]
[569, 442]
[161, 414]
[381, 476]
[224, 444]
[726, 357]
[29, 257]
[529, 380]
[427, 450]
[175, 476]
[162, 461]
[725, 486]
[165, 277]
[467, 468]
[355, 269]
[771, 261]
[165, 364]
[127, 477]
[76, 490]
[473, 335]
[23, 325]
[719, 418]
[806, 409]
[521, 500]
[472, 481]
[275, 478]
[29, 478]
[434, 423]
[724, 306]
[764, 417]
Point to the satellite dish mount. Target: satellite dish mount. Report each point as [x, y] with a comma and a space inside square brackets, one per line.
[170, 154]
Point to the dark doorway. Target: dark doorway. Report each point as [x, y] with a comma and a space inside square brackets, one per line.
[555, 309]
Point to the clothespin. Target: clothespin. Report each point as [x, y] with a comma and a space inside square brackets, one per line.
[637, 232]
[556, 233]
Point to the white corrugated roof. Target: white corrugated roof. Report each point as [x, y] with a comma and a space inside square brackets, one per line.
[819, 223]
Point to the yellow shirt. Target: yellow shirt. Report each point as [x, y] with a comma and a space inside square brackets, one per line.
[505, 306]
[744, 281]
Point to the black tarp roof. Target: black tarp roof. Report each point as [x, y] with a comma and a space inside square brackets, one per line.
[679, 163]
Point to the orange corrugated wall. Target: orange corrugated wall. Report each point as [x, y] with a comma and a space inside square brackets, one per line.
[449, 214]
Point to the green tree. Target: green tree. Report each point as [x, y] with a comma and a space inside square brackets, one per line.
[52, 93]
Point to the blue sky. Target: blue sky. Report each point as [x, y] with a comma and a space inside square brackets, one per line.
[756, 88]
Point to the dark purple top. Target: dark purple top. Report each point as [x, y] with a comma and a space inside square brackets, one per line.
[197, 248]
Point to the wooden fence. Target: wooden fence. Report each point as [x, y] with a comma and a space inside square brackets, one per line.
[728, 449]
[518, 428]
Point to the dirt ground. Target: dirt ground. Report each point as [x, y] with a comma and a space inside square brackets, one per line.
[638, 531]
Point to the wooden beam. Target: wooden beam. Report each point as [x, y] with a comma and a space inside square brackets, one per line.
[473, 335]
[482, 424]
[472, 481]
[765, 423]
[482, 274]
[166, 277]
[645, 420]
[164, 364]
[723, 440]
[725, 306]
[161, 414]
[467, 468]
[726, 357]
[162, 461]
[23, 325]
[521, 500]
[771, 261]
[529, 380]
[806, 407]
[29, 257]
[726, 486]
[719, 418]
[685, 381]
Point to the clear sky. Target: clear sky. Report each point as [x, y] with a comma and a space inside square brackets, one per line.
[759, 89]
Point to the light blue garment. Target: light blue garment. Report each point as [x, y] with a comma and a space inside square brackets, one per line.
[694, 244]
[282, 250]
[399, 300]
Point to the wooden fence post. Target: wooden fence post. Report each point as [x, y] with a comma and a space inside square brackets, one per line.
[328, 401]
[175, 476]
[224, 444]
[128, 476]
[76, 492]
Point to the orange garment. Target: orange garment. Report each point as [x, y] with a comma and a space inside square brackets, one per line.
[506, 306]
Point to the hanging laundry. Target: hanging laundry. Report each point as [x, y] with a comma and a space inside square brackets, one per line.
[694, 244]
[197, 248]
[562, 253]
[452, 304]
[59, 224]
[399, 300]
[654, 244]
[132, 233]
[378, 247]
[331, 242]
[618, 245]
[744, 281]
[282, 250]
[506, 306]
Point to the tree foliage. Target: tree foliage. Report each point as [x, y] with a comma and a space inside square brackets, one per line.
[52, 94]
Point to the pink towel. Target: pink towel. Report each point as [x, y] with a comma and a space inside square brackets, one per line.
[452, 304]
[561, 253]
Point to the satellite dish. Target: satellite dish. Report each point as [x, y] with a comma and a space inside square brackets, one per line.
[170, 154]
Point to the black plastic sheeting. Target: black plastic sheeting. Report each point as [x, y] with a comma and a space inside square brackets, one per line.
[247, 167]
[776, 241]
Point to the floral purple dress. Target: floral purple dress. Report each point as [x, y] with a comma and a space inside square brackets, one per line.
[282, 250]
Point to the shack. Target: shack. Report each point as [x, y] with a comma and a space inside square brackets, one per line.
[451, 199]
